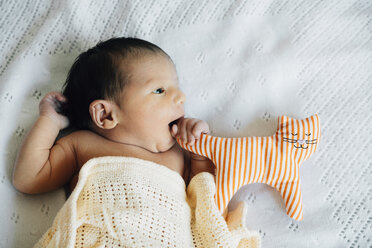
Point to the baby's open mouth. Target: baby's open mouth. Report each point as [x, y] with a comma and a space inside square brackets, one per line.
[173, 122]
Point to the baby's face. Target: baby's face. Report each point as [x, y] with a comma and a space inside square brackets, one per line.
[151, 101]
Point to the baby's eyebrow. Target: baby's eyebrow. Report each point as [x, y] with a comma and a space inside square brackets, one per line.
[151, 81]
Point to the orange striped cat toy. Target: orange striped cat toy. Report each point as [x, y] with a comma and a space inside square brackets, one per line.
[273, 160]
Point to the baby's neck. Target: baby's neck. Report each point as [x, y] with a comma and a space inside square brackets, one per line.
[127, 138]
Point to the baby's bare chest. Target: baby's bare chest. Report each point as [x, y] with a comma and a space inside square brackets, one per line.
[173, 158]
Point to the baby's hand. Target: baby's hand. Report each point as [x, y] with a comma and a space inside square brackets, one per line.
[189, 129]
[49, 107]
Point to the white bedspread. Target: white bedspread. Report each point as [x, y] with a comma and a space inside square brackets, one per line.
[240, 63]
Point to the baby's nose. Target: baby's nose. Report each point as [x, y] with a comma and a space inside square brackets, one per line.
[180, 97]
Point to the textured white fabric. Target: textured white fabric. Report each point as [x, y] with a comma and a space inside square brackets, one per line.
[118, 202]
[240, 64]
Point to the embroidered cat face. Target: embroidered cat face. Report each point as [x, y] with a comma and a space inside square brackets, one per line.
[300, 143]
[301, 134]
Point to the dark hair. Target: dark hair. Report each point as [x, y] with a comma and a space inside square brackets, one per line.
[100, 73]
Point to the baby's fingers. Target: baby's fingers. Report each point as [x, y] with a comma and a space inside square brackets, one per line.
[59, 96]
[191, 136]
[198, 128]
[190, 129]
[179, 130]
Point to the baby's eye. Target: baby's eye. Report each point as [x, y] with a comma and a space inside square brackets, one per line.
[158, 91]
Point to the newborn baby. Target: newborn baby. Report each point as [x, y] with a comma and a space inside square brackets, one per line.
[123, 97]
[128, 171]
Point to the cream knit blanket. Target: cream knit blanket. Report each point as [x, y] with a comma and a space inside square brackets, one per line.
[130, 202]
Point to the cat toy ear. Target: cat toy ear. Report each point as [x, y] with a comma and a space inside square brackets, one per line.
[284, 121]
[315, 125]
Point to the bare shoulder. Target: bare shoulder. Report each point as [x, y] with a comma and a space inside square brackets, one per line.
[73, 140]
[79, 139]
[73, 136]
[81, 134]
[85, 144]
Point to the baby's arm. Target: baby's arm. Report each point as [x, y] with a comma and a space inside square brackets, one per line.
[189, 130]
[42, 166]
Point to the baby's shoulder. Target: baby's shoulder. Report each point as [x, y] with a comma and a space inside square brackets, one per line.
[81, 136]
[86, 145]
[78, 139]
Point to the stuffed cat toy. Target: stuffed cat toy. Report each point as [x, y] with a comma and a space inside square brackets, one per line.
[273, 160]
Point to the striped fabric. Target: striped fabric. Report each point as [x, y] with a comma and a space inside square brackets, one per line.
[273, 160]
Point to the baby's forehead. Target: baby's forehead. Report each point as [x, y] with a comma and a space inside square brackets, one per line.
[148, 68]
[147, 59]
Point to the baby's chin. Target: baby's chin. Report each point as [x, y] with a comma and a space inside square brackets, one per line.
[171, 143]
[166, 143]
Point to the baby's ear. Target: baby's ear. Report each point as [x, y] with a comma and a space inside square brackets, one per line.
[102, 114]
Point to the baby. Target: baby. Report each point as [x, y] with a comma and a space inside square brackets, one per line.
[123, 97]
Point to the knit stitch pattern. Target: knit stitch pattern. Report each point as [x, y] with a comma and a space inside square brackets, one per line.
[130, 202]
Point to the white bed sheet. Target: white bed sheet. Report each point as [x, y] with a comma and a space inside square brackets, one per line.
[240, 64]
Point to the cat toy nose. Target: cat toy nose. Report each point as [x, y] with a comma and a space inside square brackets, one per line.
[301, 142]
